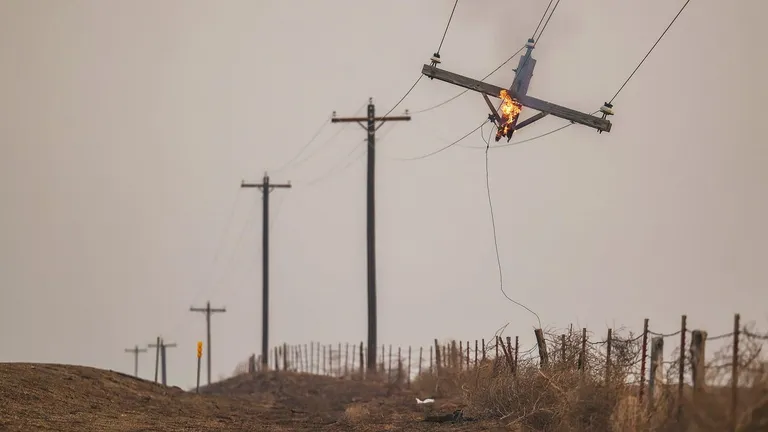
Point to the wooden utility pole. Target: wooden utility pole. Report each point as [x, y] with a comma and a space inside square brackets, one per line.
[371, 124]
[135, 351]
[518, 93]
[208, 310]
[160, 347]
[266, 187]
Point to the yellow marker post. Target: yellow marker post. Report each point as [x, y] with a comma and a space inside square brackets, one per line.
[199, 356]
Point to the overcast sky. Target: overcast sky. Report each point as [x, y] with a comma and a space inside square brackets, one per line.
[127, 126]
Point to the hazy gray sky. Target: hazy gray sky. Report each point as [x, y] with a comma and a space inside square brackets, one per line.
[127, 126]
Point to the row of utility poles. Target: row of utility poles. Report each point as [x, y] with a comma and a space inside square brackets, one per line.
[160, 346]
[371, 124]
[516, 95]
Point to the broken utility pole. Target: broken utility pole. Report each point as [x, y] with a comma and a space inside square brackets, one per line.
[516, 97]
[369, 123]
[208, 310]
[135, 351]
[160, 347]
[266, 188]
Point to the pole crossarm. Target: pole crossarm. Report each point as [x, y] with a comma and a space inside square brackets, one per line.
[571, 115]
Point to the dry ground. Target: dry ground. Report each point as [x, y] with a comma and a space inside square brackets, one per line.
[48, 397]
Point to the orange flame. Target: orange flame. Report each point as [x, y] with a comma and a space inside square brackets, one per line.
[510, 109]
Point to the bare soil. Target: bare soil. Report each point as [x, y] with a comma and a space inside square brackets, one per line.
[51, 397]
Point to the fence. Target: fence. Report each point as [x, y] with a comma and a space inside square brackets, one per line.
[637, 361]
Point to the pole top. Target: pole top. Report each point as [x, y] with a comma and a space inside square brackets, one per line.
[370, 100]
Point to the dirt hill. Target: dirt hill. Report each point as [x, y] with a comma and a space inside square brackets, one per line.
[48, 397]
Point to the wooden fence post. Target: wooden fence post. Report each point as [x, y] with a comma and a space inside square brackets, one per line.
[409, 366]
[437, 357]
[609, 344]
[681, 376]
[421, 359]
[656, 376]
[461, 355]
[277, 360]
[285, 356]
[389, 372]
[735, 373]
[476, 353]
[483, 342]
[431, 363]
[467, 359]
[362, 362]
[542, 344]
[583, 352]
[642, 362]
[698, 345]
[562, 351]
[517, 353]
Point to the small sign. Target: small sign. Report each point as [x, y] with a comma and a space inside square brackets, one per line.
[199, 349]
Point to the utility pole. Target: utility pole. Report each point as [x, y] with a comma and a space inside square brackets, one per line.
[266, 188]
[160, 347]
[518, 93]
[156, 346]
[135, 351]
[369, 123]
[208, 310]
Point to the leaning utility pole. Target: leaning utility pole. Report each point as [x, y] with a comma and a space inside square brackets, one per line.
[208, 311]
[266, 188]
[160, 347]
[135, 351]
[371, 127]
[518, 92]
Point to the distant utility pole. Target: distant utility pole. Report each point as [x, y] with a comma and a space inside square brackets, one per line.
[208, 310]
[266, 187]
[369, 123]
[160, 347]
[135, 351]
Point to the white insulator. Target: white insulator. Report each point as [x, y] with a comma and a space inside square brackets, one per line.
[605, 110]
[435, 59]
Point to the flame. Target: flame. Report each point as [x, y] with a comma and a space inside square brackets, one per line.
[510, 109]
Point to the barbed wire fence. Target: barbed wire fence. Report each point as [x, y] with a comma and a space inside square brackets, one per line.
[718, 389]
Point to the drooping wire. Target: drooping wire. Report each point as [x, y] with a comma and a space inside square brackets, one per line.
[338, 167]
[495, 238]
[401, 99]
[324, 144]
[445, 147]
[649, 51]
[322, 127]
[450, 18]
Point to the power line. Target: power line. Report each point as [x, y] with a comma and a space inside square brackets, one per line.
[446, 147]
[541, 20]
[437, 53]
[547, 22]
[504, 63]
[325, 143]
[651, 50]
[466, 90]
[311, 140]
[495, 238]
[335, 169]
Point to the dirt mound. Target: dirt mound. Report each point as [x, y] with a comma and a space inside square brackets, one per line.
[303, 392]
[75, 398]
[49, 397]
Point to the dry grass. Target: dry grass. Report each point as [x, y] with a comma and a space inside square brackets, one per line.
[561, 397]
